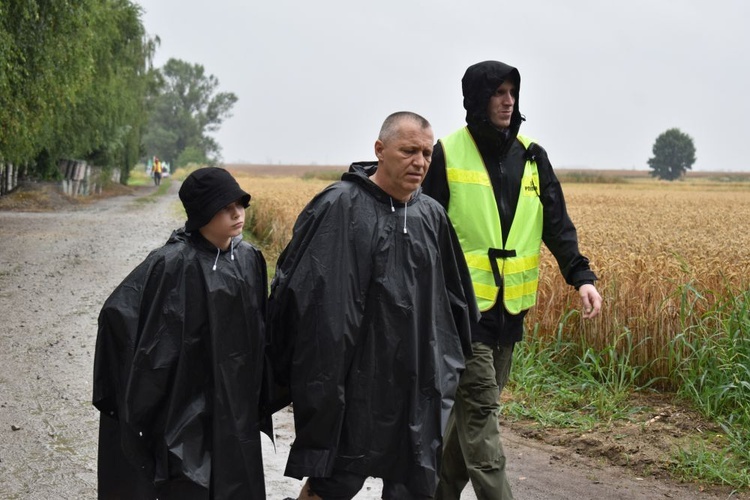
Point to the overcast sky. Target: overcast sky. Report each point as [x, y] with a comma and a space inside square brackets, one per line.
[600, 80]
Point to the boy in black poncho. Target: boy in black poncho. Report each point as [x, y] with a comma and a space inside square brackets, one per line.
[179, 359]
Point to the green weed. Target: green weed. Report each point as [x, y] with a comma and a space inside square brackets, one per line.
[559, 383]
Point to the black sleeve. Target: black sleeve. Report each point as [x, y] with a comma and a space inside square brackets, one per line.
[435, 184]
[559, 233]
[316, 307]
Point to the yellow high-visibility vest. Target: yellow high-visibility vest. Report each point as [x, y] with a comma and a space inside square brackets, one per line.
[473, 212]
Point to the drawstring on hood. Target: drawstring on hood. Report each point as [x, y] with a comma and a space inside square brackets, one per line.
[232, 244]
[360, 172]
[218, 252]
[205, 245]
[406, 205]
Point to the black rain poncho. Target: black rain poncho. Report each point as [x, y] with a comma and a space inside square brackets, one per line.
[178, 374]
[369, 323]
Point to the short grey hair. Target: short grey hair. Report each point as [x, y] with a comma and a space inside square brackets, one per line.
[390, 126]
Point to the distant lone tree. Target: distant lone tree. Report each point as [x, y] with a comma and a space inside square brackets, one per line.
[674, 154]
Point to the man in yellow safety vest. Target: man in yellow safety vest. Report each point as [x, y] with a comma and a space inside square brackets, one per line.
[503, 199]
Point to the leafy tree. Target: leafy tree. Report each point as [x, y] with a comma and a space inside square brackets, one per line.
[191, 154]
[73, 76]
[674, 154]
[43, 66]
[115, 101]
[187, 108]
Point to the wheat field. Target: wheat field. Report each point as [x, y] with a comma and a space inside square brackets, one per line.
[663, 252]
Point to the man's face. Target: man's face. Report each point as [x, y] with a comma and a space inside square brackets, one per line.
[403, 160]
[500, 107]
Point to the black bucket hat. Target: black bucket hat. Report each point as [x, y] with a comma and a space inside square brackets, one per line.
[205, 192]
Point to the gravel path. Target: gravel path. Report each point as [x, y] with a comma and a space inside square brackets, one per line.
[56, 270]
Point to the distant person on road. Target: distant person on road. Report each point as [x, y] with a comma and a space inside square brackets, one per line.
[156, 171]
[369, 322]
[503, 199]
[179, 357]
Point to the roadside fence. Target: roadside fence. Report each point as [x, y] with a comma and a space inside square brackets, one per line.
[78, 177]
[82, 179]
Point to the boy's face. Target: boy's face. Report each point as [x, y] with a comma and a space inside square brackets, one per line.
[225, 225]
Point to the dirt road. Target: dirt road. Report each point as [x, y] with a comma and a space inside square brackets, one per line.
[57, 268]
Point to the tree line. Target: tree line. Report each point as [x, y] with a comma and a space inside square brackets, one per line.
[77, 82]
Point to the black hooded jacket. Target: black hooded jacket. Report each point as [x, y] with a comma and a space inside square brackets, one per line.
[369, 321]
[505, 157]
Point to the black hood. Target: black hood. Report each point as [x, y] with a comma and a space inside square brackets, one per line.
[480, 81]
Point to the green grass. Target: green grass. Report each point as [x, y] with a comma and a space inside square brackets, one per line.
[564, 384]
[567, 384]
[139, 177]
[161, 190]
[711, 363]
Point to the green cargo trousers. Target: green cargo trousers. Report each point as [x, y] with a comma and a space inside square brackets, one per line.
[472, 450]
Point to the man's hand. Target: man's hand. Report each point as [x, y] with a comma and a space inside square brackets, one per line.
[592, 301]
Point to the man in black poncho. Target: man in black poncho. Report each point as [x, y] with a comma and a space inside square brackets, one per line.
[369, 322]
[179, 359]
